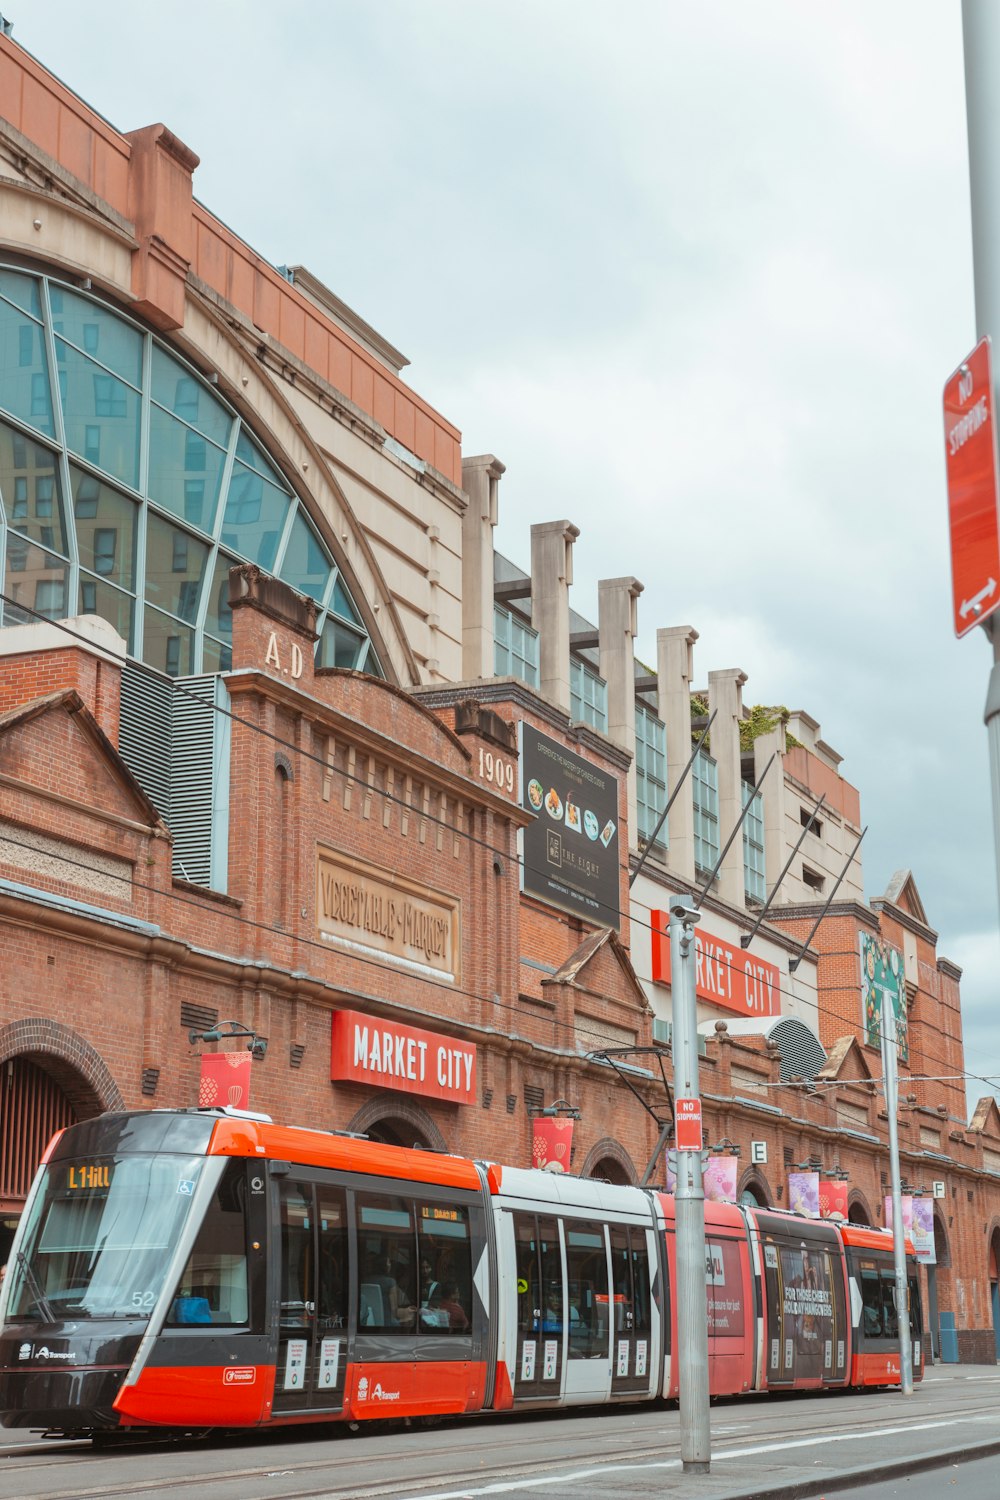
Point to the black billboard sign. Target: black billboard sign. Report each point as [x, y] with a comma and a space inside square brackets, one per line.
[571, 849]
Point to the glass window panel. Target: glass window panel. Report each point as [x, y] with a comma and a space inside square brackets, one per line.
[98, 598]
[34, 580]
[105, 528]
[185, 471]
[338, 646]
[255, 516]
[216, 657]
[248, 453]
[306, 566]
[343, 605]
[100, 331]
[175, 568]
[219, 619]
[24, 370]
[101, 415]
[167, 645]
[21, 289]
[29, 484]
[181, 392]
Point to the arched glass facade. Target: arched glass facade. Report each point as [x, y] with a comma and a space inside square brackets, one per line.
[128, 489]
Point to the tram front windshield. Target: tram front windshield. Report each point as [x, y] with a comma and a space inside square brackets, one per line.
[98, 1237]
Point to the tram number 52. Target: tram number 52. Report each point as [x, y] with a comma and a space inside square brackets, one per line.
[497, 770]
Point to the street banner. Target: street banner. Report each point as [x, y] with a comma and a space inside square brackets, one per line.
[832, 1198]
[803, 1193]
[922, 1232]
[882, 974]
[719, 1179]
[225, 1080]
[552, 1142]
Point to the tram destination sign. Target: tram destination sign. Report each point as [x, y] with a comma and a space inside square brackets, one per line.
[971, 464]
[571, 851]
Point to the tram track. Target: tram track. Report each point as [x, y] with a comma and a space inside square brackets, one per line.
[67, 1471]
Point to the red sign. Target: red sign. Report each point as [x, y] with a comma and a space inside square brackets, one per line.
[552, 1142]
[225, 1079]
[725, 975]
[687, 1124]
[392, 1056]
[971, 462]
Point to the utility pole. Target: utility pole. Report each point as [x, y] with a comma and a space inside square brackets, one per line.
[887, 1032]
[689, 1195]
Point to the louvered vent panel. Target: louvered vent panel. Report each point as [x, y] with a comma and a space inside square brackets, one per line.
[802, 1055]
[144, 732]
[193, 731]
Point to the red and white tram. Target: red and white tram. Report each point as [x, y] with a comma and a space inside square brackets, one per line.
[202, 1269]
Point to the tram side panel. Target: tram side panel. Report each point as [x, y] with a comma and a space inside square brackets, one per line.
[578, 1273]
[872, 1289]
[806, 1327]
[729, 1299]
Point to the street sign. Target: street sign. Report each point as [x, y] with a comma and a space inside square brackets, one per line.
[971, 463]
[687, 1123]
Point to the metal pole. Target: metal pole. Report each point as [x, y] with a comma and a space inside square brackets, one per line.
[692, 1318]
[981, 39]
[890, 1075]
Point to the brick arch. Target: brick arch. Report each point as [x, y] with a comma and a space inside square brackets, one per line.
[609, 1150]
[993, 1249]
[754, 1181]
[858, 1211]
[71, 1063]
[942, 1249]
[401, 1112]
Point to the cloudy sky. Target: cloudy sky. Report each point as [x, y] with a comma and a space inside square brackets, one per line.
[696, 274]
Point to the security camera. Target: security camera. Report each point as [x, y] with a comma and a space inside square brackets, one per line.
[686, 914]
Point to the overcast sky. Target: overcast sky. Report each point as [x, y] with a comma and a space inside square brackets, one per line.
[696, 274]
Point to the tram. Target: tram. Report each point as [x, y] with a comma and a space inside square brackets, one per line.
[192, 1269]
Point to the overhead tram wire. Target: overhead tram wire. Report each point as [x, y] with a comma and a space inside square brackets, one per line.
[357, 780]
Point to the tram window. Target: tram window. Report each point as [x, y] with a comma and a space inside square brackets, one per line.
[387, 1258]
[332, 1310]
[871, 1301]
[587, 1288]
[444, 1268]
[213, 1285]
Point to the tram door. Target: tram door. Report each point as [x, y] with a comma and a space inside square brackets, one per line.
[631, 1309]
[313, 1276]
[540, 1304]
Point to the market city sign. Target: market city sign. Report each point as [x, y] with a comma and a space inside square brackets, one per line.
[376, 911]
[724, 975]
[390, 1055]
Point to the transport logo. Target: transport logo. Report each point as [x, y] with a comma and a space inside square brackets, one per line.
[377, 1392]
[24, 1352]
[239, 1375]
[46, 1353]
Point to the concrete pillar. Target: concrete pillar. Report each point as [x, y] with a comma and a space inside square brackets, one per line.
[773, 794]
[551, 576]
[675, 672]
[617, 623]
[725, 698]
[481, 482]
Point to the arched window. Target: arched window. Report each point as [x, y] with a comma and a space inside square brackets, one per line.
[128, 489]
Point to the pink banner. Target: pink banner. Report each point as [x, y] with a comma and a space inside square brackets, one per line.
[922, 1232]
[803, 1193]
[552, 1142]
[225, 1079]
[832, 1198]
[907, 1202]
[719, 1178]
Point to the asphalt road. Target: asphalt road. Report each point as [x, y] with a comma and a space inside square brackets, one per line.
[764, 1448]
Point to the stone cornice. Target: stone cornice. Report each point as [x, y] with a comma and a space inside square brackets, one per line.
[493, 690]
[911, 923]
